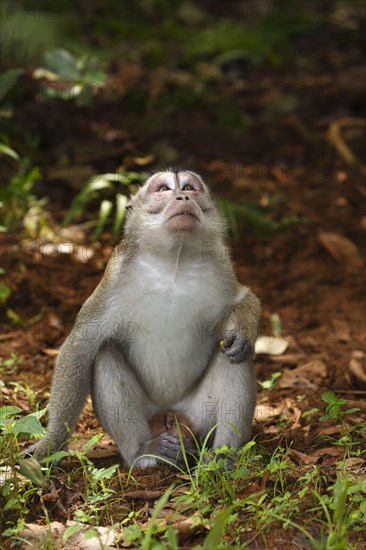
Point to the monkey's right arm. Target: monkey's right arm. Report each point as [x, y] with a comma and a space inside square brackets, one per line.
[73, 369]
[241, 327]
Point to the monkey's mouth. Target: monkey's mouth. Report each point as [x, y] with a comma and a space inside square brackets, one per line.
[184, 213]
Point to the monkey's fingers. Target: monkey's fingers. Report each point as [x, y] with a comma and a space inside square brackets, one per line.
[169, 448]
[237, 347]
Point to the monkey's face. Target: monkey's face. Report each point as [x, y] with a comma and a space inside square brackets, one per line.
[173, 205]
[178, 199]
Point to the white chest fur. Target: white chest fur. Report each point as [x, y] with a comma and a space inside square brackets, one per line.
[174, 313]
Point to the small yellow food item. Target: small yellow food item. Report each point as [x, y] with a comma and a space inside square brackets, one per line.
[222, 344]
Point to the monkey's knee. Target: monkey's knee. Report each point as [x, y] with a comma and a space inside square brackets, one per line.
[225, 402]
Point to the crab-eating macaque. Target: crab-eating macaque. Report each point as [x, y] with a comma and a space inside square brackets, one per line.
[148, 339]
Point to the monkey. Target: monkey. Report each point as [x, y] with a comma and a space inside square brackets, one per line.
[148, 338]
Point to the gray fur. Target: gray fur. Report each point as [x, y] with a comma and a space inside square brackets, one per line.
[147, 339]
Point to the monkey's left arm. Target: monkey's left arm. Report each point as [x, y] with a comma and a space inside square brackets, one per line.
[241, 327]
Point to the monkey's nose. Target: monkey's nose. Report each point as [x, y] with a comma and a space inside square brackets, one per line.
[182, 198]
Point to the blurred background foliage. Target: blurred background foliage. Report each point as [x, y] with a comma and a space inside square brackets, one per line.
[149, 60]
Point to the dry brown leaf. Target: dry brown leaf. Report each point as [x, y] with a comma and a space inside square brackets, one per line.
[292, 412]
[59, 499]
[328, 430]
[54, 321]
[143, 161]
[356, 466]
[270, 345]
[288, 409]
[37, 535]
[189, 526]
[54, 249]
[329, 451]
[309, 375]
[251, 489]
[84, 253]
[289, 359]
[104, 448]
[50, 352]
[143, 495]
[302, 458]
[264, 412]
[341, 249]
[357, 367]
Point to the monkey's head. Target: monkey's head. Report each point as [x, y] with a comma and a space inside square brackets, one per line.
[173, 205]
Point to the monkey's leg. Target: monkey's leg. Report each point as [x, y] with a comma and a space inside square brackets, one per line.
[124, 409]
[225, 395]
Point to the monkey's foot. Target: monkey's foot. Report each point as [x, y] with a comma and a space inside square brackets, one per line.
[237, 347]
[42, 448]
[167, 449]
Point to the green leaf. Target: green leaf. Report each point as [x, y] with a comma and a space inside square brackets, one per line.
[12, 503]
[104, 211]
[63, 63]
[90, 534]
[329, 397]
[72, 530]
[4, 293]
[105, 473]
[7, 412]
[97, 78]
[39, 414]
[17, 320]
[96, 183]
[146, 543]
[7, 81]
[8, 151]
[89, 444]
[55, 457]
[214, 537]
[31, 469]
[351, 411]
[27, 425]
[121, 201]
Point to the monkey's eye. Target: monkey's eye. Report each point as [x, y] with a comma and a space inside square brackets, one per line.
[188, 188]
[163, 188]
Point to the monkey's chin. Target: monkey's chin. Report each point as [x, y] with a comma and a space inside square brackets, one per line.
[182, 222]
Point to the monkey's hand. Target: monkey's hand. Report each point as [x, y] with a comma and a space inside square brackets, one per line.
[167, 449]
[242, 327]
[237, 347]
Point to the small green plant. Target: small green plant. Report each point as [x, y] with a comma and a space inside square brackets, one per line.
[22, 477]
[16, 194]
[343, 508]
[351, 437]
[269, 384]
[8, 79]
[5, 293]
[95, 189]
[9, 365]
[333, 408]
[82, 75]
[237, 213]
